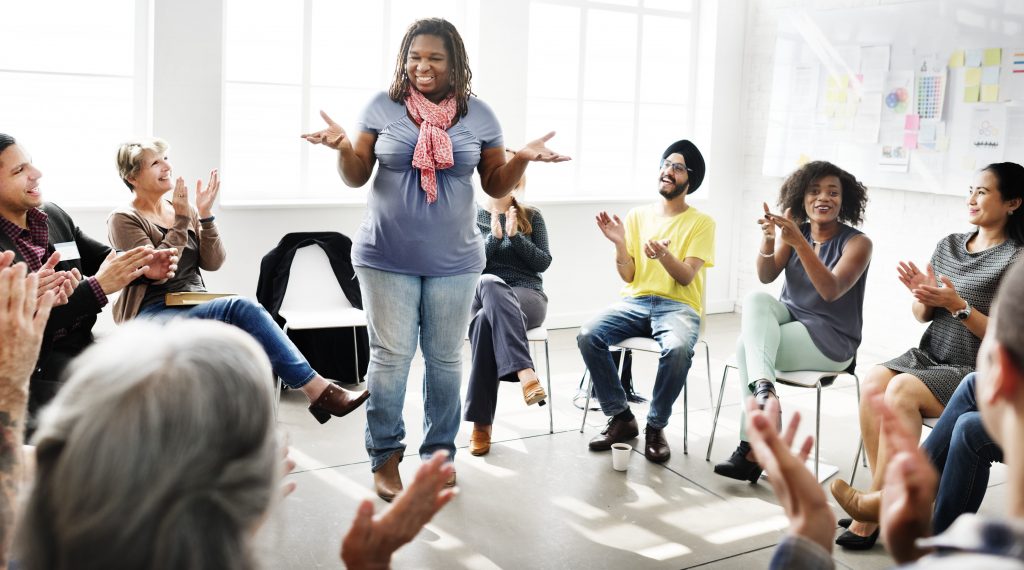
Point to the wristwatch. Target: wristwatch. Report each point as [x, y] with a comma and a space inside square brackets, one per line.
[963, 313]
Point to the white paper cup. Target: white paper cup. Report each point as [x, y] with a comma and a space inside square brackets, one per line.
[620, 456]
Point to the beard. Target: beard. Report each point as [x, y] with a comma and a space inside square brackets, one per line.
[675, 192]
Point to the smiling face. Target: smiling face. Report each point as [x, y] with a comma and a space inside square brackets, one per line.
[19, 184]
[823, 199]
[153, 175]
[427, 66]
[985, 205]
[673, 178]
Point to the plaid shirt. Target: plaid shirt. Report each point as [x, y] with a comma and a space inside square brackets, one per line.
[32, 244]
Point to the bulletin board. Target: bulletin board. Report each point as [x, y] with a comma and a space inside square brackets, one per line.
[914, 96]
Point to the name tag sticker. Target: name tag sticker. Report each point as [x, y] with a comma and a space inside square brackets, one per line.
[68, 250]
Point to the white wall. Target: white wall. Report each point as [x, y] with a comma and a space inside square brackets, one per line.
[187, 67]
[901, 224]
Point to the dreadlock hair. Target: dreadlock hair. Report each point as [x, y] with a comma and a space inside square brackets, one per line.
[523, 211]
[458, 62]
[855, 194]
[1010, 176]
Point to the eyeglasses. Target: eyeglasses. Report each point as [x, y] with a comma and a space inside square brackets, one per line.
[677, 167]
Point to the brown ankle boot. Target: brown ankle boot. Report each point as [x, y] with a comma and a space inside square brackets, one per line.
[336, 401]
[387, 479]
[480, 441]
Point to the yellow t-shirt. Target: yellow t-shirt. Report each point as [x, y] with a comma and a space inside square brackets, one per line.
[692, 234]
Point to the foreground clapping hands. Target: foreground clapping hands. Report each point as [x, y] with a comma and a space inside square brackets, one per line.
[796, 487]
[23, 316]
[910, 486]
[927, 288]
[373, 539]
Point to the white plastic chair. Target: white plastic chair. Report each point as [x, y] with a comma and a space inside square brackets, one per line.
[647, 344]
[315, 300]
[800, 379]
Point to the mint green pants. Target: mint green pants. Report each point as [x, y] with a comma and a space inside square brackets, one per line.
[770, 340]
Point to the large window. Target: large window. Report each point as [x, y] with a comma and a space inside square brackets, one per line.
[73, 77]
[615, 78]
[288, 59]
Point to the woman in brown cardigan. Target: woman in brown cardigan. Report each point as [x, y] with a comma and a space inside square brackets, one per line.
[151, 219]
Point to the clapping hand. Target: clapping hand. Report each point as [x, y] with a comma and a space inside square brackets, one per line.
[496, 230]
[62, 283]
[912, 277]
[790, 231]
[612, 228]
[796, 487]
[511, 221]
[537, 151]
[333, 136]
[767, 226]
[909, 486]
[373, 539]
[164, 264]
[657, 248]
[929, 294]
[179, 199]
[23, 316]
[206, 197]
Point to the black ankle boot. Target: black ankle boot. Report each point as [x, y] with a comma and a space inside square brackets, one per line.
[764, 391]
[738, 466]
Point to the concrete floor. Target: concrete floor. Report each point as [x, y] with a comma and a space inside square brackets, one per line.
[541, 500]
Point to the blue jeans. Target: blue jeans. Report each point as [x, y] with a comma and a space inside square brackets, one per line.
[962, 452]
[251, 317]
[401, 309]
[673, 324]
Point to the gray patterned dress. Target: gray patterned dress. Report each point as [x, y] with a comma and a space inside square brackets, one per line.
[948, 350]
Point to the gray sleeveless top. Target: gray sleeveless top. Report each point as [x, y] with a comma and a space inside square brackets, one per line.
[835, 327]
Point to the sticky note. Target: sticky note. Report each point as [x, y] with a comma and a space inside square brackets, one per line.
[912, 122]
[957, 59]
[972, 77]
[841, 96]
[993, 56]
[971, 94]
[973, 57]
[910, 141]
[927, 134]
[990, 75]
[989, 93]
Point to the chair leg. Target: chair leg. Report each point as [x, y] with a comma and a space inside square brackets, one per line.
[586, 405]
[686, 418]
[707, 362]
[551, 397]
[817, 433]
[355, 351]
[718, 407]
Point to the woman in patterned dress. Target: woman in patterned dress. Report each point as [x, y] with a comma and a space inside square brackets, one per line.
[953, 293]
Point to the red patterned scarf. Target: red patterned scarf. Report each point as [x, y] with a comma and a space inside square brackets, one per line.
[434, 147]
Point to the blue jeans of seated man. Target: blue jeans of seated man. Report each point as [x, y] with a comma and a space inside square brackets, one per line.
[962, 452]
[673, 324]
[401, 310]
[251, 317]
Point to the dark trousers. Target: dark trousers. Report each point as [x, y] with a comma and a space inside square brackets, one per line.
[497, 334]
[962, 451]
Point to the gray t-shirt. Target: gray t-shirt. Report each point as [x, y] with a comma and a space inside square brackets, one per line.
[401, 232]
[835, 327]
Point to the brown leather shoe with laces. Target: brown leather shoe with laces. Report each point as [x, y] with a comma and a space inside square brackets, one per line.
[387, 479]
[618, 431]
[656, 448]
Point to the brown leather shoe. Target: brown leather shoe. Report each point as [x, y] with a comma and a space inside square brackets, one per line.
[480, 441]
[863, 507]
[387, 479]
[656, 449]
[451, 480]
[336, 401]
[618, 431]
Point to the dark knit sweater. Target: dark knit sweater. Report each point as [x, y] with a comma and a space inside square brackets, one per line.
[518, 260]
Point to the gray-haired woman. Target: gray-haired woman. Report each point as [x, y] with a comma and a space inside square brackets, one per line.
[165, 455]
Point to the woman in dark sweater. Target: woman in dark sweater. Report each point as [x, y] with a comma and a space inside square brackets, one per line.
[509, 301]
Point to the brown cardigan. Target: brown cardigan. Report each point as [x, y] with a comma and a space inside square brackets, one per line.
[127, 229]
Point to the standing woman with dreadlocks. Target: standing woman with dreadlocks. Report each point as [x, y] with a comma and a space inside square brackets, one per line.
[417, 254]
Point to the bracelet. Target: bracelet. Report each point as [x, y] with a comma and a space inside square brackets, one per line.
[204, 220]
[767, 255]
